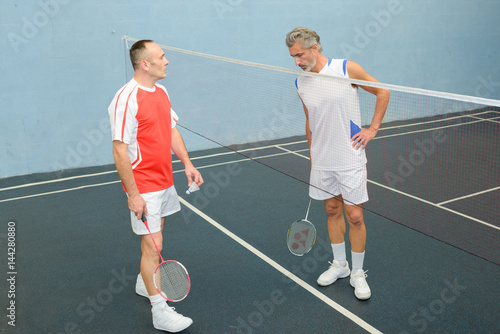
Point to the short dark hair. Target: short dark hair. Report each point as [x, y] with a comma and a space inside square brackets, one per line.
[137, 50]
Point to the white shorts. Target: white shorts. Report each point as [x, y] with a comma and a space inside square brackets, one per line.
[160, 204]
[351, 184]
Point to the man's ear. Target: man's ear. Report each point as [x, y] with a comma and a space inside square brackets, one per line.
[315, 49]
[144, 65]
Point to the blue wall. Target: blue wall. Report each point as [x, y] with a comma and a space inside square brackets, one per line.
[61, 64]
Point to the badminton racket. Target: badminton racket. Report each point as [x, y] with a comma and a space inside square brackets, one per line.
[301, 235]
[170, 277]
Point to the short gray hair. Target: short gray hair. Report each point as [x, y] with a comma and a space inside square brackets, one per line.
[306, 36]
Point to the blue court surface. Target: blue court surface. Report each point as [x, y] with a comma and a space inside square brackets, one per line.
[432, 253]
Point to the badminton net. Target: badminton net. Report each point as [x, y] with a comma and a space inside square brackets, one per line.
[434, 165]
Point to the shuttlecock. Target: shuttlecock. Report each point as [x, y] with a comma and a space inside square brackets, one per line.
[194, 187]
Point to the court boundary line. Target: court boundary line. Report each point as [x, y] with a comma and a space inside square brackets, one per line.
[59, 191]
[476, 120]
[438, 205]
[435, 205]
[56, 180]
[470, 195]
[343, 311]
[247, 159]
[439, 120]
[296, 152]
[492, 119]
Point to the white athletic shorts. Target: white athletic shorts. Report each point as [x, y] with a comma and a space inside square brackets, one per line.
[351, 184]
[160, 204]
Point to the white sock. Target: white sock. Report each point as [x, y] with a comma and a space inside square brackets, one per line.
[156, 300]
[339, 253]
[357, 260]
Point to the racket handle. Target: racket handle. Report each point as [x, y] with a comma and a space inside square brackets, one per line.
[144, 219]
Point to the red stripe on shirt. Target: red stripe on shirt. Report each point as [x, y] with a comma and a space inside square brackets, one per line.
[116, 105]
[125, 112]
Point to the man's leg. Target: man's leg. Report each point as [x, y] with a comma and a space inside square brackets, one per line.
[164, 317]
[335, 219]
[357, 229]
[150, 258]
[336, 230]
[357, 237]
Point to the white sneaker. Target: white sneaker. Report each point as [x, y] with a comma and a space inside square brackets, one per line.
[333, 273]
[166, 319]
[358, 282]
[140, 287]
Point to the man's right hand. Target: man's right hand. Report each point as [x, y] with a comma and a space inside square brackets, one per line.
[137, 205]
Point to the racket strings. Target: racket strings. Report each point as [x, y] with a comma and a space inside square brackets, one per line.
[172, 279]
[301, 237]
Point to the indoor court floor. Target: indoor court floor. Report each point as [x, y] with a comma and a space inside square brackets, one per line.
[432, 253]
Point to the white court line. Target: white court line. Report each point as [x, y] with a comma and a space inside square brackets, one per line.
[56, 180]
[59, 191]
[470, 195]
[239, 151]
[437, 120]
[116, 181]
[439, 205]
[291, 152]
[262, 157]
[430, 129]
[376, 138]
[252, 249]
[357, 320]
[256, 148]
[246, 160]
[492, 119]
[435, 205]
[85, 186]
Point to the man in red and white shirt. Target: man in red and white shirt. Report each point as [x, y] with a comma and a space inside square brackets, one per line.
[144, 134]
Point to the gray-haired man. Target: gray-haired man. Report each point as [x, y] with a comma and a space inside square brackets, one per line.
[338, 161]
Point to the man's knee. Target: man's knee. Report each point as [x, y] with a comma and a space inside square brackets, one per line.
[354, 216]
[333, 207]
[148, 247]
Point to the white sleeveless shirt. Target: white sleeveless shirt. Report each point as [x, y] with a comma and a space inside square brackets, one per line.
[334, 117]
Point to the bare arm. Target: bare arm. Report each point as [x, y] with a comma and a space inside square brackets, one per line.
[308, 129]
[179, 149]
[135, 201]
[365, 135]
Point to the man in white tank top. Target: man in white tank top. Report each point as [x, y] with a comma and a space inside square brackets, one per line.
[336, 147]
